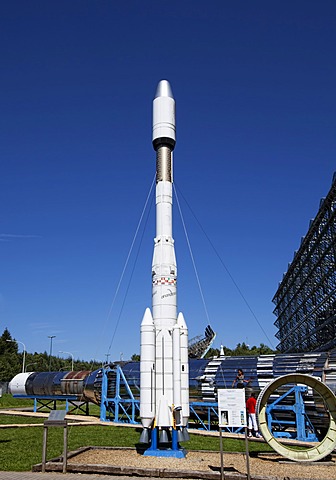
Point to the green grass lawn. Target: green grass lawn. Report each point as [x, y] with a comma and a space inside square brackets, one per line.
[17, 419]
[20, 448]
[8, 401]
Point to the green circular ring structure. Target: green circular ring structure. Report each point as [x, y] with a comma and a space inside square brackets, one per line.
[319, 451]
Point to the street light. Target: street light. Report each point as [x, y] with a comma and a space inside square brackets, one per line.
[72, 359]
[34, 363]
[51, 339]
[24, 352]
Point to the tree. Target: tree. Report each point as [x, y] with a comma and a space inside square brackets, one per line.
[212, 352]
[5, 346]
[9, 366]
[265, 350]
[242, 350]
[10, 360]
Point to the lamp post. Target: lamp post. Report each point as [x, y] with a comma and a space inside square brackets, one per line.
[51, 339]
[107, 357]
[34, 363]
[24, 352]
[72, 358]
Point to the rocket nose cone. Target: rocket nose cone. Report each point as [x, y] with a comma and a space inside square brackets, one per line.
[164, 89]
[180, 320]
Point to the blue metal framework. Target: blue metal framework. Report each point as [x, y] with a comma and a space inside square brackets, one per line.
[205, 414]
[301, 427]
[125, 409]
[122, 409]
[44, 401]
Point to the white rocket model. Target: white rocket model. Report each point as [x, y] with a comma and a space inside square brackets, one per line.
[164, 376]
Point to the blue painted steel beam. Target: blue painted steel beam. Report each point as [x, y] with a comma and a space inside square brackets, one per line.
[118, 405]
[45, 398]
[304, 429]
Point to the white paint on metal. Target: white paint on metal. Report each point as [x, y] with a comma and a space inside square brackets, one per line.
[164, 361]
[17, 386]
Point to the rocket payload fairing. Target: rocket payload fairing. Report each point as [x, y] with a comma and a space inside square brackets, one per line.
[164, 376]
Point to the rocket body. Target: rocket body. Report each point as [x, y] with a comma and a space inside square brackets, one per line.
[164, 394]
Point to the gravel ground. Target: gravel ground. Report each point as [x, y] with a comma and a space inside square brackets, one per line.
[266, 465]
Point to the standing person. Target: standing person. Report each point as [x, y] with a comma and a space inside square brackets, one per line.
[239, 379]
[251, 412]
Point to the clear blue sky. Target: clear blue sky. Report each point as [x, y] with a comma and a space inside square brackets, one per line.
[254, 84]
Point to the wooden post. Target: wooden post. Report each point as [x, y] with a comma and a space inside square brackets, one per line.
[65, 448]
[56, 419]
[44, 448]
[221, 453]
[247, 456]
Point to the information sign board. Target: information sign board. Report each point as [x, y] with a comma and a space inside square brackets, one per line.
[57, 415]
[231, 407]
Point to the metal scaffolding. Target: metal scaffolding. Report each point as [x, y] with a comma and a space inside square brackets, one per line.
[199, 346]
[306, 298]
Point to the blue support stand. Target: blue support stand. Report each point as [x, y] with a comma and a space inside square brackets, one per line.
[174, 452]
[174, 439]
[122, 407]
[300, 428]
[103, 400]
[49, 402]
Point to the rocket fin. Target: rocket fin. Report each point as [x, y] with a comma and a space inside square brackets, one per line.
[164, 414]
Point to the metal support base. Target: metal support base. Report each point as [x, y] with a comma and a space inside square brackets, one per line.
[169, 449]
[165, 453]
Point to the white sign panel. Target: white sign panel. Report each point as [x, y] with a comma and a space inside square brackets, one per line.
[231, 407]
